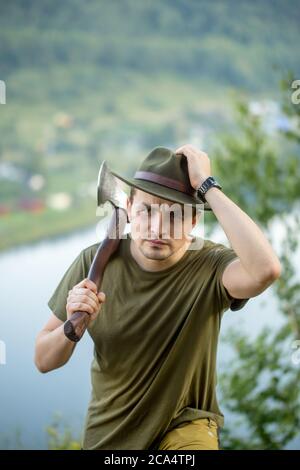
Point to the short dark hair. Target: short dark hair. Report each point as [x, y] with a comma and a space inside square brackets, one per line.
[133, 191]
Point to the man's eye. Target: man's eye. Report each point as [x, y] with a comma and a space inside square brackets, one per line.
[176, 216]
[143, 210]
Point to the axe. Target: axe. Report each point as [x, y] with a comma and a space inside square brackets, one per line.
[108, 190]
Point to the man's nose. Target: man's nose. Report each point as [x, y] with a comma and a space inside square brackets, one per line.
[156, 223]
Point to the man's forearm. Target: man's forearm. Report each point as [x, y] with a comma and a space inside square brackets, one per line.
[53, 349]
[246, 238]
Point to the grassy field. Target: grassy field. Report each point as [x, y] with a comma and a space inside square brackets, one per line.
[22, 228]
[127, 86]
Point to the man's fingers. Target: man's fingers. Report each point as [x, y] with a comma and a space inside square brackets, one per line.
[80, 307]
[93, 316]
[190, 151]
[88, 284]
[84, 291]
[85, 299]
[101, 296]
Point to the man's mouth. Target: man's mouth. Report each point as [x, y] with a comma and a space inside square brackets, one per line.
[156, 242]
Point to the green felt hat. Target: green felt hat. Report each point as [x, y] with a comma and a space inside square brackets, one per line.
[165, 174]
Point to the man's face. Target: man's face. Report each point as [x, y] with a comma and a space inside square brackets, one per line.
[153, 218]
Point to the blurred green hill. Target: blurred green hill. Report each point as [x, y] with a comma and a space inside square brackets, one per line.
[93, 80]
[224, 41]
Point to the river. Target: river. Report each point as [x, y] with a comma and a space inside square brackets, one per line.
[30, 399]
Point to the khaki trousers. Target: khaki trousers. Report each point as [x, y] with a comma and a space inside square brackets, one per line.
[199, 434]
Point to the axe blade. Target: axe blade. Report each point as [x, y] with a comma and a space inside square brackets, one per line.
[108, 188]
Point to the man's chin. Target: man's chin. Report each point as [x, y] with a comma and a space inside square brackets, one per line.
[156, 255]
[155, 251]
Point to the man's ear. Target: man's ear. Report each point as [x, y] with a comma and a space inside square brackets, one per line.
[196, 219]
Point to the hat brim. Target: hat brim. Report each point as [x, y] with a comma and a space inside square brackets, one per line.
[163, 192]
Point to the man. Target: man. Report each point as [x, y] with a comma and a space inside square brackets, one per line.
[156, 320]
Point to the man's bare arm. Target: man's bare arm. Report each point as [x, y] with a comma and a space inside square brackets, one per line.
[53, 349]
[258, 266]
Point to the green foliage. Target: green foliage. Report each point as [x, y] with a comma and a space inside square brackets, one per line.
[21, 227]
[260, 385]
[182, 37]
[12, 440]
[60, 436]
[255, 168]
[261, 390]
[144, 81]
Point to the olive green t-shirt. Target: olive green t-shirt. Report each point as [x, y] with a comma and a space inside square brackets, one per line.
[155, 344]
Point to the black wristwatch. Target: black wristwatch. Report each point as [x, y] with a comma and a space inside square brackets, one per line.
[208, 183]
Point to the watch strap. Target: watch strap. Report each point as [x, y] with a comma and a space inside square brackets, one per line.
[206, 185]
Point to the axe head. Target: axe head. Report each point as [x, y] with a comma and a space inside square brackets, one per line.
[108, 189]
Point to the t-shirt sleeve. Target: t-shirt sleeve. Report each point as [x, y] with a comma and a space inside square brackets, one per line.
[222, 256]
[76, 272]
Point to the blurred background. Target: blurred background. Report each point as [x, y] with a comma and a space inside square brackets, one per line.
[87, 81]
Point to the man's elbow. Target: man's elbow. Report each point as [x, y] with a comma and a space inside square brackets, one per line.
[40, 366]
[271, 273]
[44, 364]
[40, 361]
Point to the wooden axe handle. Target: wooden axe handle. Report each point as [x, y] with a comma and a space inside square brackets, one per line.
[75, 327]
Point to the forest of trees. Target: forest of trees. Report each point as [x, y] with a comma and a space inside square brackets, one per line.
[231, 42]
[90, 80]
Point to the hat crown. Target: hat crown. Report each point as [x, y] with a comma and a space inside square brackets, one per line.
[164, 162]
[164, 174]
